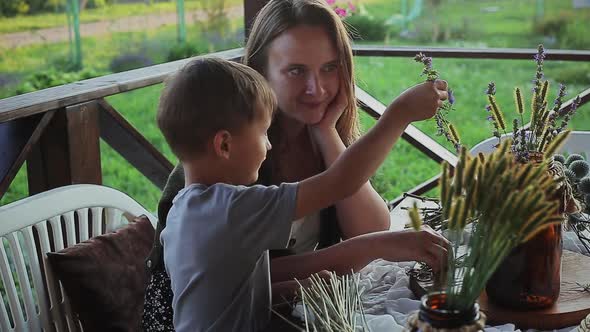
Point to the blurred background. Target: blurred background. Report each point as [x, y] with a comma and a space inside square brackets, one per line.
[45, 43]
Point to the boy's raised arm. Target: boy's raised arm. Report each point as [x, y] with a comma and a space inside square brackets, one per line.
[360, 160]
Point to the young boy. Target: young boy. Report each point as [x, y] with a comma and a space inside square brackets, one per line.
[214, 115]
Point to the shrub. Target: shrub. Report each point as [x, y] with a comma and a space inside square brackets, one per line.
[129, 61]
[570, 31]
[575, 35]
[52, 77]
[366, 27]
[13, 7]
[433, 31]
[554, 25]
[182, 51]
[572, 75]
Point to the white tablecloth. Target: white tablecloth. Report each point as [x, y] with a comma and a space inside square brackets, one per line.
[388, 299]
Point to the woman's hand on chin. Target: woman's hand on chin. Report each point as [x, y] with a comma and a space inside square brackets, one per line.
[331, 115]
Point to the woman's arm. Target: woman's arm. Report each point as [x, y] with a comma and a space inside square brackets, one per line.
[355, 253]
[363, 212]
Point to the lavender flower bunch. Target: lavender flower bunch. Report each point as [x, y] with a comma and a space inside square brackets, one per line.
[543, 134]
[443, 125]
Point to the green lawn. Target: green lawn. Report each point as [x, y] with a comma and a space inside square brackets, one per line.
[385, 78]
[98, 52]
[109, 12]
[488, 23]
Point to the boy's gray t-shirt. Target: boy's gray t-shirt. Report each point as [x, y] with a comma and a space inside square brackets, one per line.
[215, 244]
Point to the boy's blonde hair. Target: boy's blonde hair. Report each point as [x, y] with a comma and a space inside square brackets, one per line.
[208, 95]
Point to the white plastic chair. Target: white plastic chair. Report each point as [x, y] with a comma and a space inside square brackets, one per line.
[577, 142]
[47, 222]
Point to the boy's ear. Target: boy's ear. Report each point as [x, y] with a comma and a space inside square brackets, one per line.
[222, 144]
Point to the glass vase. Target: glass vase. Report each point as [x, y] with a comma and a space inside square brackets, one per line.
[435, 316]
[530, 276]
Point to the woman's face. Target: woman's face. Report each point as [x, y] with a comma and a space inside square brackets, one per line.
[303, 70]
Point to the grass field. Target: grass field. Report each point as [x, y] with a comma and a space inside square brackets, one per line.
[384, 78]
[109, 12]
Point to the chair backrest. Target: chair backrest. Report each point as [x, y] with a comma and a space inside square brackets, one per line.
[577, 142]
[48, 222]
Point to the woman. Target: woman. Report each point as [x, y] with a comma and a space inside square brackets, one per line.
[303, 50]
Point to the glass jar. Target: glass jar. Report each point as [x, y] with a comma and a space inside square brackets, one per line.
[435, 316]
[530, 276]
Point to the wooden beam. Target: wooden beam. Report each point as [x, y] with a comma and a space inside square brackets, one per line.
[132, 146]
[47, 164]
[412, 134]
[84, 143]
[67, 152]
[95, 88]
[469, 53]
[251, 8]
[17, 138]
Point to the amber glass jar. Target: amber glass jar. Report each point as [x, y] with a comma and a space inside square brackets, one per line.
[530, 276]
[435, 316]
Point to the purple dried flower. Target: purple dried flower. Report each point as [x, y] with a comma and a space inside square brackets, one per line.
[451, 97]
[488, 108]
[428, 70]
[575, 104]
[491, 89]
[540, 56]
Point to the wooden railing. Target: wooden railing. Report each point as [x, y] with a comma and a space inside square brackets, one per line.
[57, 130]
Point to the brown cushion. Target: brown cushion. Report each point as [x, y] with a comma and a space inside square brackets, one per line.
[105, 278]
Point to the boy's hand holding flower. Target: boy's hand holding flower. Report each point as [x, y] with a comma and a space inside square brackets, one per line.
[421, 101]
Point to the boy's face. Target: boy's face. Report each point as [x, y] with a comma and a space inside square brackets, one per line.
[249, 148]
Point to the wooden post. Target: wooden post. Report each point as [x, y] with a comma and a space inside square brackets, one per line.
[68, 152]
[251, 8]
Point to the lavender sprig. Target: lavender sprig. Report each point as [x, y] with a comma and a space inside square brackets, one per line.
[569, 113]
[537, 100]
[497, 117]
[443, 125]
[431, 73]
